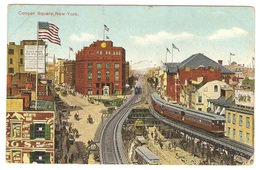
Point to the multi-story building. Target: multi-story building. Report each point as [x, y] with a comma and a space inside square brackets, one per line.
[101, 69]
[30, 136]
[196, 96]
[196, 68]
[15, 55]
[59, 71]
[238, 109]
[69, 72]
[240, 124]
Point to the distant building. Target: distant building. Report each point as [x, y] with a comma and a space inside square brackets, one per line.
[241, 71]
[15, 56]
[197, 69]
[69, 72]
[101, 69]
[59, 71]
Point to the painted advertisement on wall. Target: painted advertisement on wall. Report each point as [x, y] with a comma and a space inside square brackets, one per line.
[244, 98]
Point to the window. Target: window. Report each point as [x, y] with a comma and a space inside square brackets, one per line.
[10, 70]
[99, 75]
[107, 76]
[240, 136]
[228, 117]
[215, 88]
[247, 122]
[97, 85]
[40, 130]
[116, 65]
[11, 61]
[90, 75]
[247, 138]
[107, 65]
[234, 119]
[10, 51]
[116, 85]
[40, 157]
[200, 109]
[116, 75]
[228, 132]
[99, 65]
[21, 61]
[200, 99]
[90, 65]
[240, 120]
[234, 133]
[21, 51]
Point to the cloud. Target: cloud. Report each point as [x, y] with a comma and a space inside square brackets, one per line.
[160, 37]
[84, 36]
[227, 33]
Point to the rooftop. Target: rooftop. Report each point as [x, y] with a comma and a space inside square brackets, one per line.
[195, 61]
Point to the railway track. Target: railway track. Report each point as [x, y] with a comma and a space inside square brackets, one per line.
[111, 144]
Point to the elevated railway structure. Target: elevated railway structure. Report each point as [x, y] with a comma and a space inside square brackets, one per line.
[231, 146]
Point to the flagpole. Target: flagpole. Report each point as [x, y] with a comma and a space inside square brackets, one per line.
[104, 34]
[36, 90]
[230, 59]
[69, 53]
[172, 54]
[166, 56]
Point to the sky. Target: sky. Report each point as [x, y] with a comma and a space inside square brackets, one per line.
[144, 31]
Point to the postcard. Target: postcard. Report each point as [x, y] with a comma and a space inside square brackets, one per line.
[130, 84]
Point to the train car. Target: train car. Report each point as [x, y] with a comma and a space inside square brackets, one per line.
[210, 122]
[138, 90]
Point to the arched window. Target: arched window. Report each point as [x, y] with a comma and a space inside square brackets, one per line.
[11, 61]
[107, 75]
[89, 75]
[216, 88]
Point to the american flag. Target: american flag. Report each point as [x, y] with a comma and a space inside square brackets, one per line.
[49, 31]
[106, 28]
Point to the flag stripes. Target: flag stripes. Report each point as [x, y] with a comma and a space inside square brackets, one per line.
[49, 31]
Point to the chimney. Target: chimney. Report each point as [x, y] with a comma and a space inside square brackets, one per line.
[220, 62]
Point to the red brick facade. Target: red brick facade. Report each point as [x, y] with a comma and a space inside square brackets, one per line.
[101, 64]
[187, 74]
[69, 72]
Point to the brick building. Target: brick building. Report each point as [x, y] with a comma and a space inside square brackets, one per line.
[15, 55]
[30, 137]
[197, 69]
[69, 72]
[101, 69]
